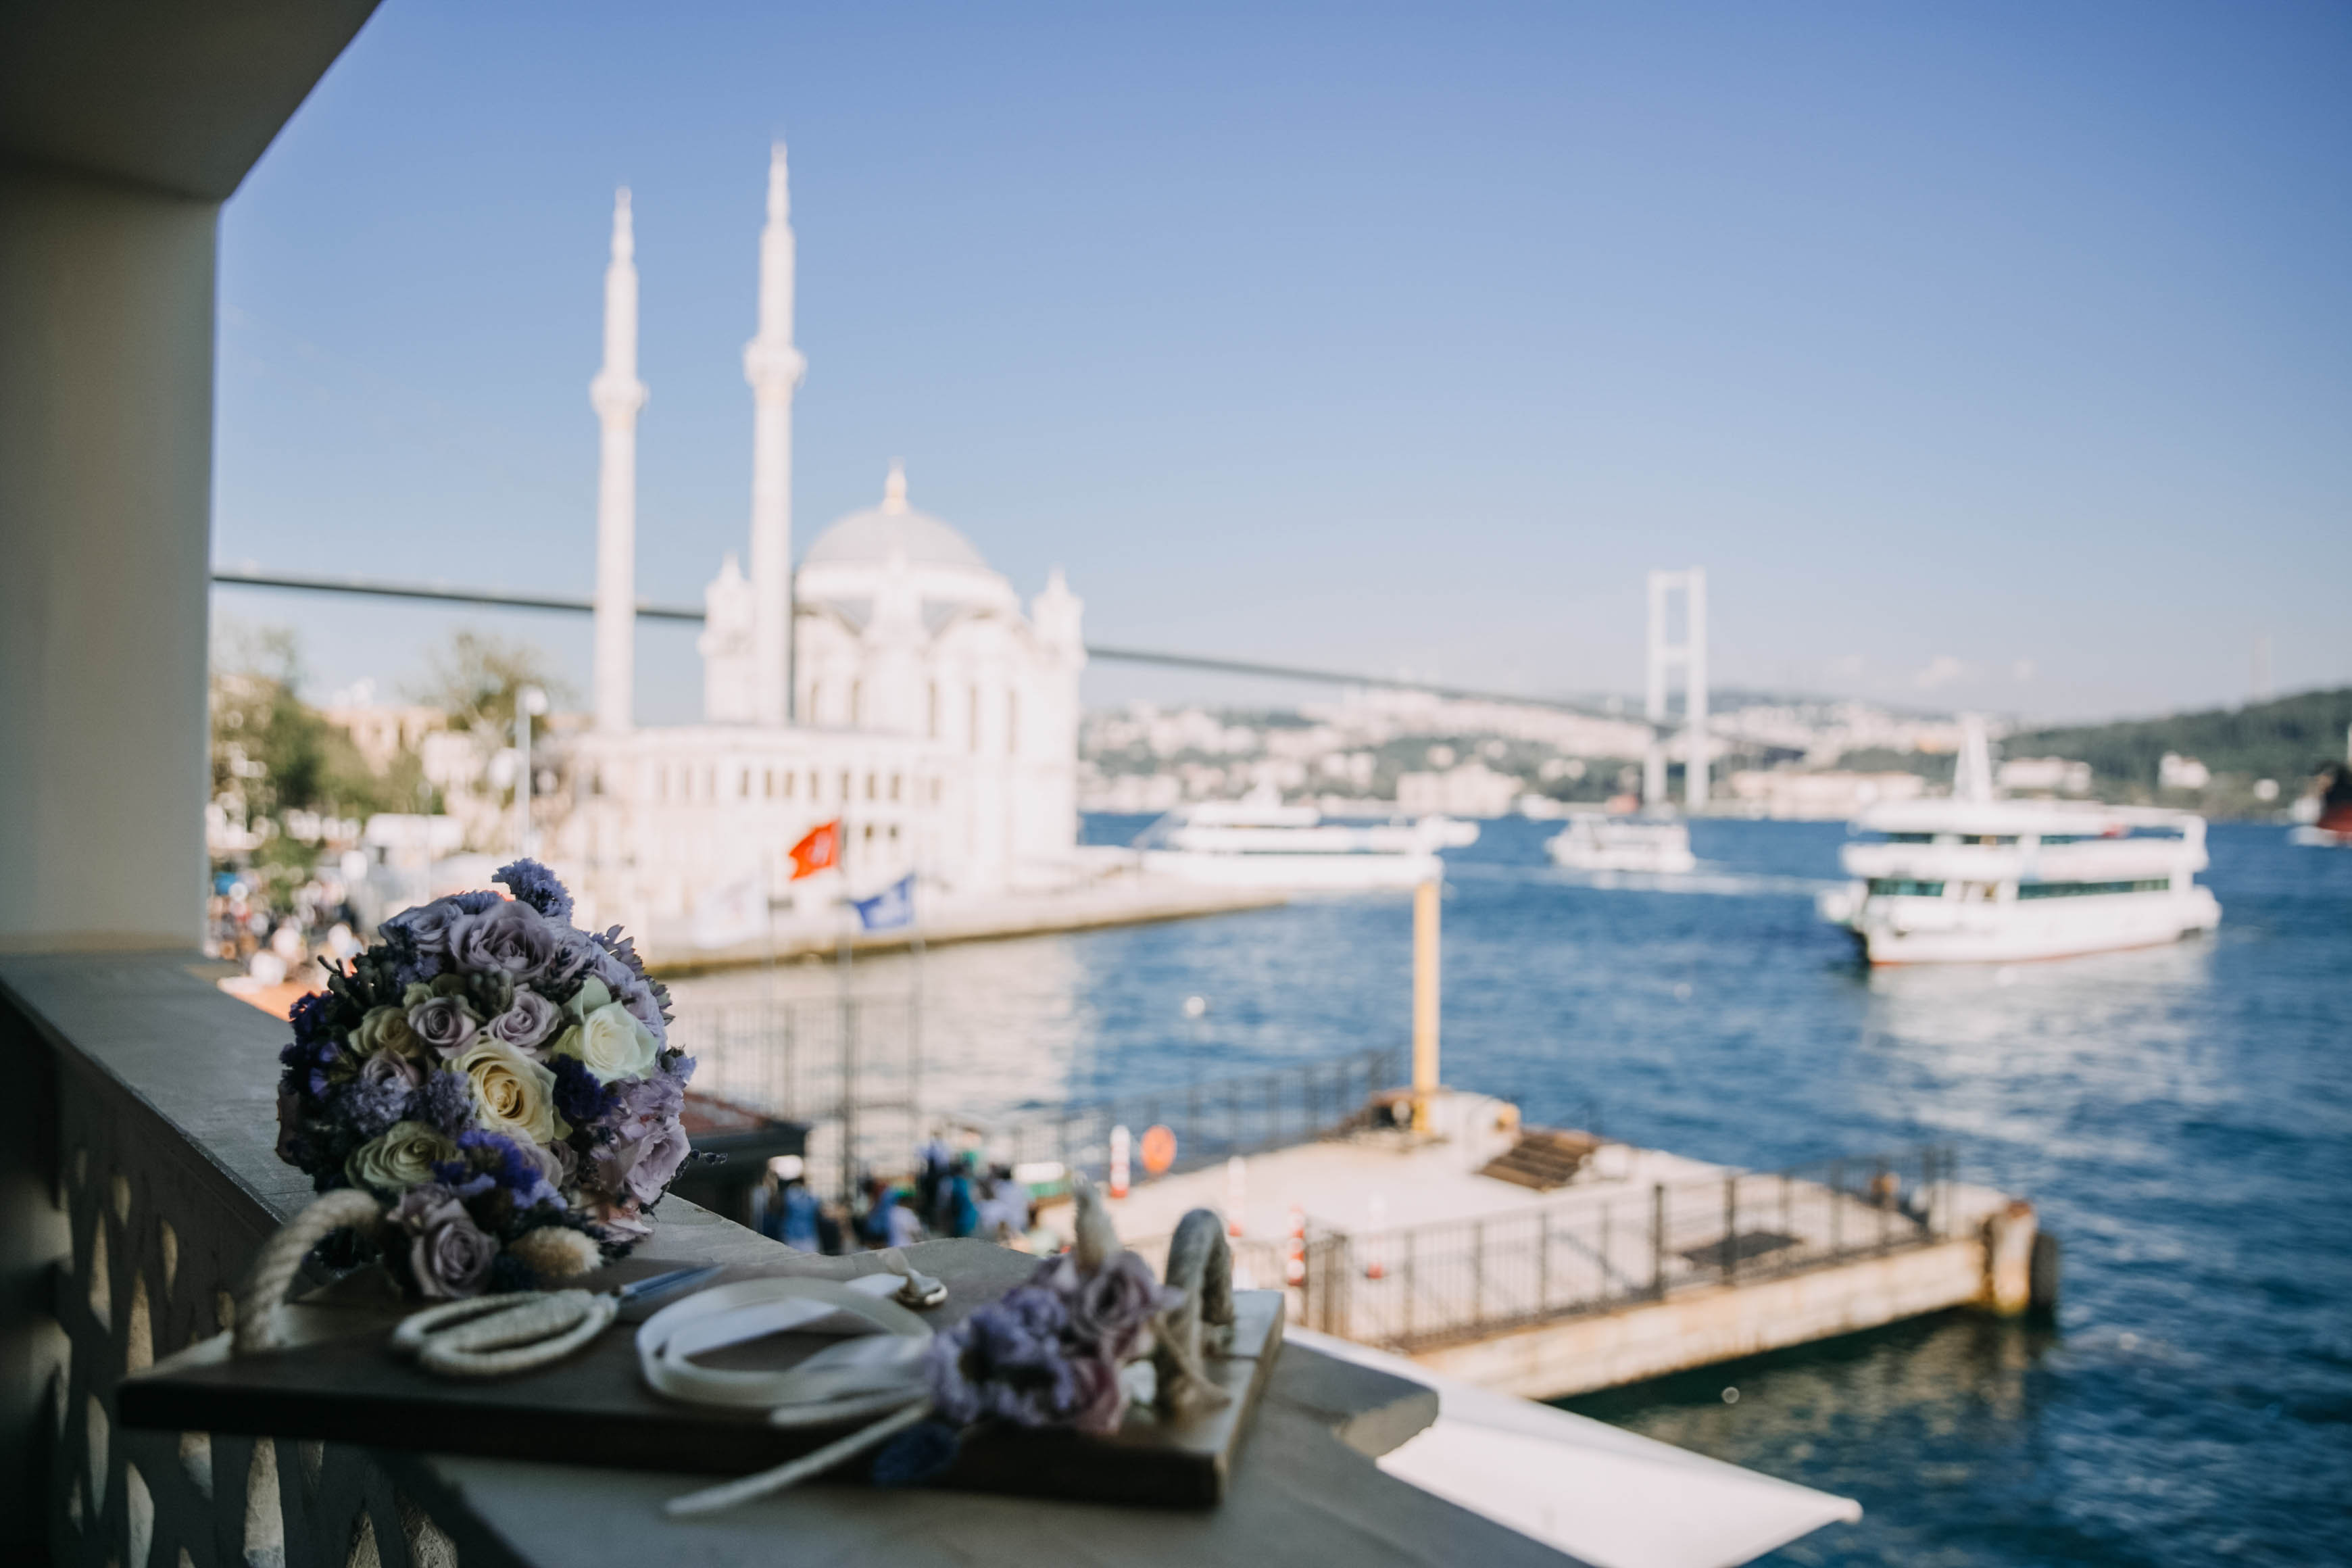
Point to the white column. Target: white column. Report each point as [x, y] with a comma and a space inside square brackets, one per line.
[106, 444]
[617, 395]
[773, 367]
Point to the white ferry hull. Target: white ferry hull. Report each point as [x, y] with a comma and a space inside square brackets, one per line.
[1308, 872]
[1902, 930]
[1666, 862]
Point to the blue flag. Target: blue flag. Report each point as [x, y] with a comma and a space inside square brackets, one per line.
[891, 908]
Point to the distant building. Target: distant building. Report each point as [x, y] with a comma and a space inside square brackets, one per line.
[1471, 789]
[2047, 775]
[2174, 770]
[1790, 795]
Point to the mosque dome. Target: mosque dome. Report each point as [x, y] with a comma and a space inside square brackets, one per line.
[872, 536]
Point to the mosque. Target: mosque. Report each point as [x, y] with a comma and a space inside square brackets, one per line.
[893, 682]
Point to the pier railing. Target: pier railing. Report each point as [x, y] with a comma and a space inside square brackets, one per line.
[1416, 1287]
[1211, 1119]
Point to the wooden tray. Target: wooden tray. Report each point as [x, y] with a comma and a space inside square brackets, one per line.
[338, 1382]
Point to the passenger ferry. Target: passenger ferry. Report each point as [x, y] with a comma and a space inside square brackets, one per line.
[1261, 843]
[1977, 878]
[1593, 841]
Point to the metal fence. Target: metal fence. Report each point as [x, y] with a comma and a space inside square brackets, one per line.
[1416, 1287]
[851, 1067]
[1213, 1120]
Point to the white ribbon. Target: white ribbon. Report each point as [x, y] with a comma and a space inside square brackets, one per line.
[867, 1374]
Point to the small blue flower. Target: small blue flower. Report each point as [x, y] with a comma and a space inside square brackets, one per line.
[537, 885]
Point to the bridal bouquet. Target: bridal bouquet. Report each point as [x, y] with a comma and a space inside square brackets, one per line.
[501, 1079]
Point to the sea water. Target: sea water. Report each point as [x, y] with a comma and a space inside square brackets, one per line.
[2181, 1117]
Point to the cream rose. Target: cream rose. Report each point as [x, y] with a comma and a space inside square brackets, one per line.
[512, 1093]
[386, 1029]
[611, 1043]
[400, 1158]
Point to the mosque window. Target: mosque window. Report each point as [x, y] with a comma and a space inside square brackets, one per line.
[856, 702]
[870, 789]
[845, 786]
[1012, 723]
[791, 784]
[933, 724]
[895, 782]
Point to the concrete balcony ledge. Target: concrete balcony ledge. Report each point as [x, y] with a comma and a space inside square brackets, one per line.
[140, 1176]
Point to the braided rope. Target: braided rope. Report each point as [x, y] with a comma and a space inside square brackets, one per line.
[494, 1336]
[260, 1306]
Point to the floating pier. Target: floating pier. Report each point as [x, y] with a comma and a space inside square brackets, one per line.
[1549, 1262]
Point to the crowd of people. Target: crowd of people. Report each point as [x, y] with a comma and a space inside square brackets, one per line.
[275, 944]
[949, 1194]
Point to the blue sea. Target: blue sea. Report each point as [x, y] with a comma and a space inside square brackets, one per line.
[2181, 1117]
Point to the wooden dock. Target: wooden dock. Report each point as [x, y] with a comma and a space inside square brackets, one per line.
[1629, 1264]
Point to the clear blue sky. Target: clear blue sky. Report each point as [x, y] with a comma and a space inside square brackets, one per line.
[1988, 354]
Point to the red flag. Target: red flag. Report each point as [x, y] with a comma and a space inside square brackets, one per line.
[820, 851]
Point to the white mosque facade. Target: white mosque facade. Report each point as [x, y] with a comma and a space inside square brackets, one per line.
[895, 680]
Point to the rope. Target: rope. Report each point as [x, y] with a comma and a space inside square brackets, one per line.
[497, 1335]
[260, 1307]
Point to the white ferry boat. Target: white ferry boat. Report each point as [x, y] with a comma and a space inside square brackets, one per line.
[1259, 843]
[1593, 841]
[1977, 878]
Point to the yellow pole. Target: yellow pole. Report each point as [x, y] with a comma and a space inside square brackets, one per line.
[1424, 1001]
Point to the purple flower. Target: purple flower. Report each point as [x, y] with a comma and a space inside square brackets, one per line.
[642, 1164]
[523, 1168]
[478, 900]
[1007, 1361]
[527, 1023]
[314, 1017]
[581, 1097]
[368, 1107]
[448, 1101]
[509, 937]
[1111, 1308]
[445, 1023]
[449, 1256]
[423, 930]
[646, 1102]
[575, 959]
[535, 885]
[391, 1067]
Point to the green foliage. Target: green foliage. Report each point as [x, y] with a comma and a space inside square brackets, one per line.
[474, 681]
[2288, 740]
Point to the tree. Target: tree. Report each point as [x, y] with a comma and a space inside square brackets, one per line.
[476, 678]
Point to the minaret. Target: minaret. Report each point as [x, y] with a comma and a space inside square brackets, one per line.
[617, 395]
[773, 367]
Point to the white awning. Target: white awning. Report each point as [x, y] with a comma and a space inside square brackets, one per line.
[1593, 1491]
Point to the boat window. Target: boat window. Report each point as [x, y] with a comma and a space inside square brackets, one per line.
[2090, 889]
[1910, 839]
[1904, 887]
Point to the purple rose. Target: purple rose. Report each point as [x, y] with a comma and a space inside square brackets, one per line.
[527, 1023]
[1112, 1307]
[448, 1255]
[510, 937]
[425, 927]
[389, 1067]
[575, 958]
[646, 1103]
[445, 1023]
[642, 1166]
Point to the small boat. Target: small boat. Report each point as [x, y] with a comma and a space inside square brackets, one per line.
[1593, 841]
[2329, 805]
[1978, 878]
[1261, 843]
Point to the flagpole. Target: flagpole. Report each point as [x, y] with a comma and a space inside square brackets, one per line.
[848, 1017]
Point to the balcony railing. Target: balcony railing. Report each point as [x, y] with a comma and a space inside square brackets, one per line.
[137, 1144]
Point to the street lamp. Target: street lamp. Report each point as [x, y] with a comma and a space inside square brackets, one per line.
[530, 703]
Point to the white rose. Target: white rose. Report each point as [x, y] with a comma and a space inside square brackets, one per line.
[512, 1093]
[611, 1043]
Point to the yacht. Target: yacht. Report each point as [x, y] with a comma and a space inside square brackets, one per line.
[2323, 817]
[1260, 843]
[1978, 878]
[1594, 841]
